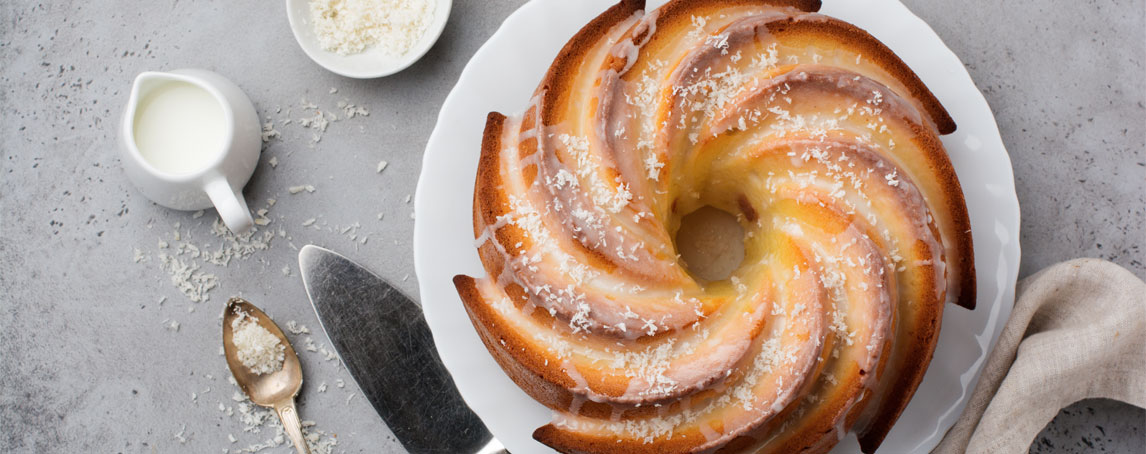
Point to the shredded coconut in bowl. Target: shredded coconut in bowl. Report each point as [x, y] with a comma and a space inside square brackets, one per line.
[258, 349]
[350, 26]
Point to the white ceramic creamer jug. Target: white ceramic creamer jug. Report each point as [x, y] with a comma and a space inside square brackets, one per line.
[191, 139]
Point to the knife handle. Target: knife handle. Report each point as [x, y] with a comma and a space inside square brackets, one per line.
[493, 447]
[288, 414]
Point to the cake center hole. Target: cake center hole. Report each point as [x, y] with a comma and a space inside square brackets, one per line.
[711, 243]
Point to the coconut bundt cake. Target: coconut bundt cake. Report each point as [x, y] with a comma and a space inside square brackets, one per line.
[814, 137]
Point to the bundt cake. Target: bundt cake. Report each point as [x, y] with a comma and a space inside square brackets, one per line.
[825, 148]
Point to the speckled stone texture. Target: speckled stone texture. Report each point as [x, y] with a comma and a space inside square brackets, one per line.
[89, 359]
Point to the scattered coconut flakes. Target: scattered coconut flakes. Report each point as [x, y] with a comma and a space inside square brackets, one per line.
[237, 246]
[262, 218]
[295, 328]
[274, 162]
[269, 131]
[351, 110]
[256, 420]
[182, 436]
[308, 222]
[382, 166]
[195, 284]
[328, 355]
[300, 188]
[319, 121]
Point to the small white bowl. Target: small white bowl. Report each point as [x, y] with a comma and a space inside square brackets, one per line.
[371, 62]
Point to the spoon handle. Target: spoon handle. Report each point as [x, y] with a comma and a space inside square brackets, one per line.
[288, 414]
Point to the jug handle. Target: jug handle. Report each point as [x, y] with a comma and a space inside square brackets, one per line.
[231, 206]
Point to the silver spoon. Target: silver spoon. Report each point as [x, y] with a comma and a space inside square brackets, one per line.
[274, 390]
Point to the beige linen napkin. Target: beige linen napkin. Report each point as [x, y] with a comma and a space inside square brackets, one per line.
[1078, 331]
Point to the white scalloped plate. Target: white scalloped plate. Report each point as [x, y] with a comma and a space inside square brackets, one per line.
[502, 75]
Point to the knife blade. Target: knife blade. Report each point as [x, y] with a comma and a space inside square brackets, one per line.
[385, 343]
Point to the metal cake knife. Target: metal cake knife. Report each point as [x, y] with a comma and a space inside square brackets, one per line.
[386, 345]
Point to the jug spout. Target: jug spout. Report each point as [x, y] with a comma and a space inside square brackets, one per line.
[144, 83]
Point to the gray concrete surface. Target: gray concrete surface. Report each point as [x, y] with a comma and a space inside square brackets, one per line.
[88, 359]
